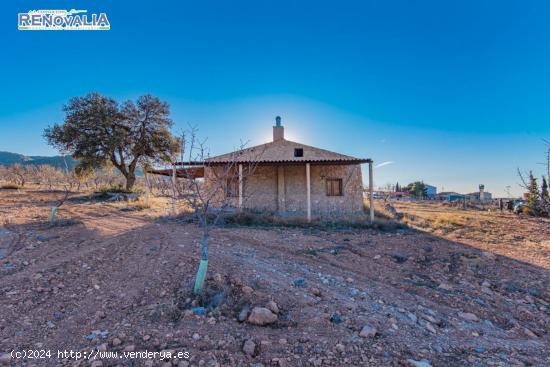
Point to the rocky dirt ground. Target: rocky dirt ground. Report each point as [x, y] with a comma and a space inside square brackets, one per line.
[457, 288]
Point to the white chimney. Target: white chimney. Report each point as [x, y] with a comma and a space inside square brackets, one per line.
[278, 130]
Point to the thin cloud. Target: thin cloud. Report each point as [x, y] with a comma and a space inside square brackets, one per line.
[387, 163]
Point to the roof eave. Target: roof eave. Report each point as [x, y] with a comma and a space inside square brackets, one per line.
[292, 162]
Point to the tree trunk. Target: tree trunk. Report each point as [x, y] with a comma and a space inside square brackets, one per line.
[203, 265]
[204, 245]
[130, 181]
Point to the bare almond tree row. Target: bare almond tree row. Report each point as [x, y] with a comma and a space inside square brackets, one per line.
[51, 178]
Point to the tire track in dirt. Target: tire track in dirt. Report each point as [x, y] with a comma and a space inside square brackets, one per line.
[114, 256]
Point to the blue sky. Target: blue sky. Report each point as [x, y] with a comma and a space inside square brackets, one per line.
[452, 93]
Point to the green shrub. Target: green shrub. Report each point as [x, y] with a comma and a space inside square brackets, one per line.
[118, 189]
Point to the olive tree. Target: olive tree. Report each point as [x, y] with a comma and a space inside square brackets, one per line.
[98, 130]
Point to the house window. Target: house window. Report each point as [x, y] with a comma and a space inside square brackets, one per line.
[298, 152]
[334, 187]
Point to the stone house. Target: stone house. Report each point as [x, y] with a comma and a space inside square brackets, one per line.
[288, 178]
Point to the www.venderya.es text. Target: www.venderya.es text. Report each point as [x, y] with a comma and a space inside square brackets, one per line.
[97, 354]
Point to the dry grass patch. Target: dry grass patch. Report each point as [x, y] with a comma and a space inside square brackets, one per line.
[452, 219]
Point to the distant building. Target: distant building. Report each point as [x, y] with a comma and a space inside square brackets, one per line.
[431, 191]
[480, 196]
[449, 196]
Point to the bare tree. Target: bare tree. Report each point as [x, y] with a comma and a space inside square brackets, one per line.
[55, 207]
[146, 167]
[50, 176]
[159, 185]
[210, 198]
[18, 174]
[79, 176]
[106, 177]
[4, 173]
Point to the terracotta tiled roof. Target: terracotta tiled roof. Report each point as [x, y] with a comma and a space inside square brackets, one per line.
[283, 151]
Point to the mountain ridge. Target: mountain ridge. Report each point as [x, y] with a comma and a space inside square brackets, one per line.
[10, 158]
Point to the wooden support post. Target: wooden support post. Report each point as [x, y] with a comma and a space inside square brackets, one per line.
[174, 183]
[371, 188]
[281, 206]
[308, 189]
[240, 186]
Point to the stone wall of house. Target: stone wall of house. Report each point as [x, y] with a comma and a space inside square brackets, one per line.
[334, 206]
[261, 190]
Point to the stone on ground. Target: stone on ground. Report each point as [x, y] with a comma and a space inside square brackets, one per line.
[368, 331]
[261, 316]
[249, 347]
